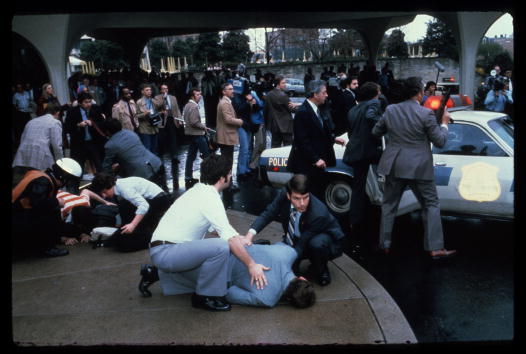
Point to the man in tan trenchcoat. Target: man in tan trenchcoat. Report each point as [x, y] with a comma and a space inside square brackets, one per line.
[126, 110]
[227, 123]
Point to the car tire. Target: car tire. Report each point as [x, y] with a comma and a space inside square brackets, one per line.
[337, 195]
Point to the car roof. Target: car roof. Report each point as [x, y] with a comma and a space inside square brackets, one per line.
[476, 116]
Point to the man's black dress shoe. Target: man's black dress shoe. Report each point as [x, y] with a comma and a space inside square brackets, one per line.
[149, 276]
[325, 278]
[210, 303]
[55, 252]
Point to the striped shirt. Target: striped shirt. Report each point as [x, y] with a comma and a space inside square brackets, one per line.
[71, 201]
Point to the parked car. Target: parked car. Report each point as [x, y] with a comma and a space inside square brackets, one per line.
[474, 171]
[294, 87]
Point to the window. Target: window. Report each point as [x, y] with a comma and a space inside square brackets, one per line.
[469, 140]
[504, 129]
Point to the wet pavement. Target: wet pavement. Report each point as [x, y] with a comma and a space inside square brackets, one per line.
[90, 297]
[469, 298]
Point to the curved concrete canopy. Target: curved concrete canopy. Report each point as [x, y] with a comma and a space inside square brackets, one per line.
[55, 35]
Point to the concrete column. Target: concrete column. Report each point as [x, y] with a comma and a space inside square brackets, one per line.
[372, 36]
[471, 29]
[48, 34]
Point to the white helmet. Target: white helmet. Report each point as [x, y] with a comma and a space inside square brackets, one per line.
[70, 166]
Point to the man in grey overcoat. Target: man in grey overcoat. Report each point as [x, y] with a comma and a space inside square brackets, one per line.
[408, 161]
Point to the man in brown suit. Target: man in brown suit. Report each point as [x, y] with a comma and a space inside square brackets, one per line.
[278, 114]
[147, 107]
[126, 110]
[227, 123]
[168, 131]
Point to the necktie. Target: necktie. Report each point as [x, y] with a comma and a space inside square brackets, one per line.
[318, 113]
[131, 115]
[290, 230]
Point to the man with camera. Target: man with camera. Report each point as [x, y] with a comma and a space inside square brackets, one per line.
[148, 110]
[498, 97]
[168, 131]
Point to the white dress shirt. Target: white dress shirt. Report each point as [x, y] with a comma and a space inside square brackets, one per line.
[197, 211]
[136, 190]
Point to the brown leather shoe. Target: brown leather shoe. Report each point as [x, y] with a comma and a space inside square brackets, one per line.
[442, 254]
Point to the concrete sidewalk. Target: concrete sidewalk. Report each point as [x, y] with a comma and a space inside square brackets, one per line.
[90, 297]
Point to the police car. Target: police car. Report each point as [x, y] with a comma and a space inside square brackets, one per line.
[474, 171]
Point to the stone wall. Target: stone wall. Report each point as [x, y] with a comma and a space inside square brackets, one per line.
[423, 67]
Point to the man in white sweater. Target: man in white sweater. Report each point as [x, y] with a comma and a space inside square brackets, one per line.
[180, 252]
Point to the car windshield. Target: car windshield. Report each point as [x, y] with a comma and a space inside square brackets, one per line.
[503, 126]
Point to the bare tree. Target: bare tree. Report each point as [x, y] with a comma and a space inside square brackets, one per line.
[313, 40]
[272, 36]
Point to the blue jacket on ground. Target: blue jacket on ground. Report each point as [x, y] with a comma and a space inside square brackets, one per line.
[279, 258]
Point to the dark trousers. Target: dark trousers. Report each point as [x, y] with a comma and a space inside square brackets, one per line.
[211, 110]
[358, 197]
[318, 181]
[90, 150]
[320, 249]
[35, 230]
[197, 143]
[280, 139]
[142, 235]
[228, 151]
[149, 141]
[168, 140]
[159, 178]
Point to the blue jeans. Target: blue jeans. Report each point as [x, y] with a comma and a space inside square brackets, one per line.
[149, 141]
[197, 142]
[245, 151]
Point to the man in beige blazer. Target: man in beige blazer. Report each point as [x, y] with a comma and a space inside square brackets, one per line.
[126, 110]
[168, 135]
[148, 106]
[227, 123]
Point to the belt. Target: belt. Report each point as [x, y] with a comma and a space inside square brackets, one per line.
[159, 242]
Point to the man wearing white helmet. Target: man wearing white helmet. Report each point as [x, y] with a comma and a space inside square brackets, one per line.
[37, 224]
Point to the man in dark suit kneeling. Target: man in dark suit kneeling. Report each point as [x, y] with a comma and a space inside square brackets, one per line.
[308, 225]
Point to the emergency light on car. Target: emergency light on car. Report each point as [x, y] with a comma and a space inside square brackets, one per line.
[433, 102]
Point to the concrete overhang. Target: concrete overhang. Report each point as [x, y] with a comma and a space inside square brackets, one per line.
[111, 26]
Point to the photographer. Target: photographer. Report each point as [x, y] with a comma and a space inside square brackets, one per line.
[498, 97]
[148, 115]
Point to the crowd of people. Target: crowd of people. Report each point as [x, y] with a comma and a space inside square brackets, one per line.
[119, 126]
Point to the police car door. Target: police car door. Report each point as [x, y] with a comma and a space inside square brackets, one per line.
[474, 172]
